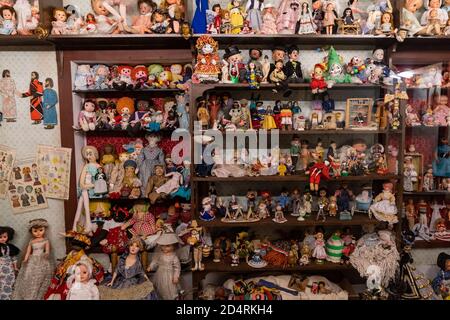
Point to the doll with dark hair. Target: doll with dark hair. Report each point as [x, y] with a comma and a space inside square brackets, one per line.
[8, 24]
[441, 284]
[8, 262]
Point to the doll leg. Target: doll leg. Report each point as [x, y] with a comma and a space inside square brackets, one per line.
[78, 213]
[83, 201]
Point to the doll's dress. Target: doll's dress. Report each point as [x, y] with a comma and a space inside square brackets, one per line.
[116, 237]
[167, 268]
[8, 27]
[130, 283]
[207, 215]
[143, 226]
[172, 185]
[268, 122]
[435, 215]
[442, 279]
[103, 26]
[269, 25]
[83, 291]
[254, 15]
[8, 255]
[237, 20]
[35, 275]
[146, 161]
[306, 24]
[384, 210]
[100, 187]
[442, 168]
[319, 250]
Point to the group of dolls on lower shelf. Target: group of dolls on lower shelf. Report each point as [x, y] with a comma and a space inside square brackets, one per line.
[134, 115]
[317, 163]
[260, 205]
[435, 115]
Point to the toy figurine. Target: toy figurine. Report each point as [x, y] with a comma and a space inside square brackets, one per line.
[207, 68]
[410, 175]
[323, 204]
[289, 14]
[237, 70]
[293, 68]
[262, 211]
[440, 283]
[167, 266]
[8, 262]
[37, 267]
[207, 213]
[332, 206]
[269, 26]
[234, 209]
[318, 84]
[428, 180]
[59, 26]
[269, 122]
[316, 172]
[384, 207]
[329, 20]
[319, 252]
[441, 111]
[253, 76]
[305, 24]
[279, 215]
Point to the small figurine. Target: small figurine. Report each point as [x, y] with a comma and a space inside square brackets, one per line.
[253, 11]
[279, 215]
[305, 253]
[330, 18]
[332, 206]
[203, 115]
[384, 207]
[59, 26]
[161, 23]
[305, 24]
[207, 68]
[207, 213]
[262, 211]
[277, 76]
[319, 252]
[316, 172]
[411, 215]
[323, 204]
[318, 84]
[410, 175]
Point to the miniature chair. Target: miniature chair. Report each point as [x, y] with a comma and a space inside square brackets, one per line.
[348, 29]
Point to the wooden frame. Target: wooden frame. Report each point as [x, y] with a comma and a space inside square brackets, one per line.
[363, 113]
[417, 161]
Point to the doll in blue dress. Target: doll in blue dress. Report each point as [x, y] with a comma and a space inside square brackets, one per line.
[441, 164]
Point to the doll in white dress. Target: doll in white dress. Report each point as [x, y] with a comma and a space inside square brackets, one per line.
[384, 207]
[80, 283]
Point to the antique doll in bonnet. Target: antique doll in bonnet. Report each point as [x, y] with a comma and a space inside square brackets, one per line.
[81, 284]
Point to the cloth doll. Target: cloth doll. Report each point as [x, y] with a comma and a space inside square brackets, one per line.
[167, 266]
[154, 182]
[129, 281]
[101, 75]
[81, 284]
[7, 93]
[142, 223]
[116, 239]
[150, 156]
[8, 23]
[49, 102]
[131, 185]
[117, 175]
[87, 119]
[8, 262]
[37, 267]
[207, 68]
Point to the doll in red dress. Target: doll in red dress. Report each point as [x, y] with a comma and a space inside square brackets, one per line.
[318, 84]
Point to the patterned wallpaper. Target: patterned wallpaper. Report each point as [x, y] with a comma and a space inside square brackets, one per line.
[25, 137]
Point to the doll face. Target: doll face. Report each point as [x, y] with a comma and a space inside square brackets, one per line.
[330, 7]
[83, 273]
[60, 16]
[386, 18]
[433, 14]
[336, 69]
[208, 48]
[144, 8]
[235, 59]
[357, 61]
[134, 248]
[158, 17]
[159, 171]
[38, 232]
[90, 155]
[97, 6]
[413, 5]
[278, 55]
[319, 236]
[434, 4]
[7, 14]
[322, 193]
[89, 106]
[318, 72]
[167, 249]
[129, 171]
[293, 55]
[317, 5]
[123, 157]
[3, 238]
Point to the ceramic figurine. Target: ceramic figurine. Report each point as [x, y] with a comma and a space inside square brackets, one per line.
[305, 24]
[384, 207]
[289, 14]
[279, 215]
[269, 26]
[319, 252]
[207, 68]
[8, 262]
[305, 254]
[262, 211]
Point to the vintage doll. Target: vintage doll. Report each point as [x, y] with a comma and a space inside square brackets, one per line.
[356, 67]
[237, 70]
[86, 188]
[129, 281]
[167, 266]
[330, 18]
[318, 15]
[142, 23]
[142, 223]
[116, 239]
[447, 29]
[269, 122]
[89, 26]
[182, 111]
[332, 206]
[435, 216]
[387, 25]
[305, 24]
[412, 118]
[316, 172]
[410, 175]
[344, 195]
[108, 158]
[139, 75]
[319, 248]
[100, 187]
[253, 76]
[410, 211]
[269, 26]
[150, 156]
[81, 284]
[207, 68]
[36, 271]
[27, 20]
[203, 116]
[347, 17]
[277, 76]
[441, 283]
[384, 207]
[289, 14]
[207, 214]
[117, 175]
[253, 11]
[59, 26]
[154, 182]
[7, 93]
[125, 111]
[409, 18]
[226, 22]
[105, 24]
[434, 15]
[428, 180]
[318, 84]
[8, 262]
[441, 162]
[8, 25]
[84, 77]
[236, 16]
[35, 92]
[293, 68]
[213, 20]
[441, 111]
[131, 185]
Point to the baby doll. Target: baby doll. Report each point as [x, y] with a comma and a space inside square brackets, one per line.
[8, 262]
[142, 223]
[36, 271]
[433, 23]
[384, 207]
[141, 24]
[81, 284]
[8, 23]
[59, 26]
[105, 25]
[160, 23]
[167, 266]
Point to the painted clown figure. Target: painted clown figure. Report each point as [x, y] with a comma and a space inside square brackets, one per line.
[35, 92]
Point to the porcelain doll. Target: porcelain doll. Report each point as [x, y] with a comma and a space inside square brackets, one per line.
[142, 222]
[269, 25]
[236, 16]
[150, 156]
[441, 162]
[142, 23]
[428, 180]
[329, 20]
[35, 92]
[207, 68]
[305, 24]
[387, 25]
[105, 24]
[129, 281]
[36, 271]
[81, 284]
[384, 207]
[288, 15]
[409, 19]
[117, 175]
[8, 262]
[7, 91]
[59, 25]
[319, 252]
[8, 24]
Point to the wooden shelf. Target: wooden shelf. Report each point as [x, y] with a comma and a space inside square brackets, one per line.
[358, 220]
[310, 132]
[433, 244]
[243, 267]
[427, 194]
[373, 177]
[28, 43]
[296, 86]
[122, 133]
[126, 92]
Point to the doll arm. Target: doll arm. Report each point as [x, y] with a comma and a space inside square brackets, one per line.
[27, 254]
[128, 223]
[112, 280]
[47, 249]
[112, 11]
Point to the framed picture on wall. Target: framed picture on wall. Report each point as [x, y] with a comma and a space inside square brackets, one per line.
[359, 114]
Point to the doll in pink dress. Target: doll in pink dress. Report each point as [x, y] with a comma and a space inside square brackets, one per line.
[441, 111]
[288, 15]
[319, 250]
[269, 25]
[330, 18]
[141, 24]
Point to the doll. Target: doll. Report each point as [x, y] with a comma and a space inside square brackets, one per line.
[36, 271]
[269, 25]
[203, 115]
[86, 187]
[8, 100]
[176, 12]
[129, 281]
[26, 23]
[139, 75]
[150, 156]
[49, 101]
[141, 24]
[207, 68]
[108, 158]
[409, 19]
[332, 206]
[8, 262]
[154, 182]
[293, 68]
[253, 10]
[84, 78]
[236, 16]
[316, 172]
[441, 111]
[447, 30]
[59, 26]
[277, 76]
[81, 284]
[105, 24]
[269, 122]
[226, 26]
[89, 26]
[440, 283]
[35, 93]
[117, 175]
[318, 15]
[213, 20]
[131, 185]
[142, 222]
[125, 110]
[410, 175]
[434, 15]
[384, 207]
[387, 25]
[123, 80]
[318, 84]
[8, 24]
[428, 180]
[171, 186]
[441, 162]
[289, 14]
[305, 24]
[237, 70]
[120, 15]
[330, 18]
[167, 266]
[182, 111]
[100, 187]
[412, 119]
[347, 17]
[319, 248]
[116, 239]
[411, 215]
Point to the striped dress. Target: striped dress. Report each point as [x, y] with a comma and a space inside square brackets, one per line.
[36, 91]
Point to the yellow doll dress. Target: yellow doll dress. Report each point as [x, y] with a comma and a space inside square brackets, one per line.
[236, 19]
[268, 122]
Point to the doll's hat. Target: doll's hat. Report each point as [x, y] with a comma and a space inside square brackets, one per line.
[37, 223]
[231, 51]
[269, 5]
[130, 163]
[168, 238]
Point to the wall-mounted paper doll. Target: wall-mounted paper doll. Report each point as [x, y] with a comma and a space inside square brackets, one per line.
[7, 91]
[35, 92]
[49, 105]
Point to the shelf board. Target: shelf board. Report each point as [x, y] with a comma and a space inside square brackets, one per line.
[28, 43]
[121, 133]
[358, 220]
[243, 267]
[433, 244]
[126, 92]
[372, 177]
[427, 194]
[296, 86]
[309, 132]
